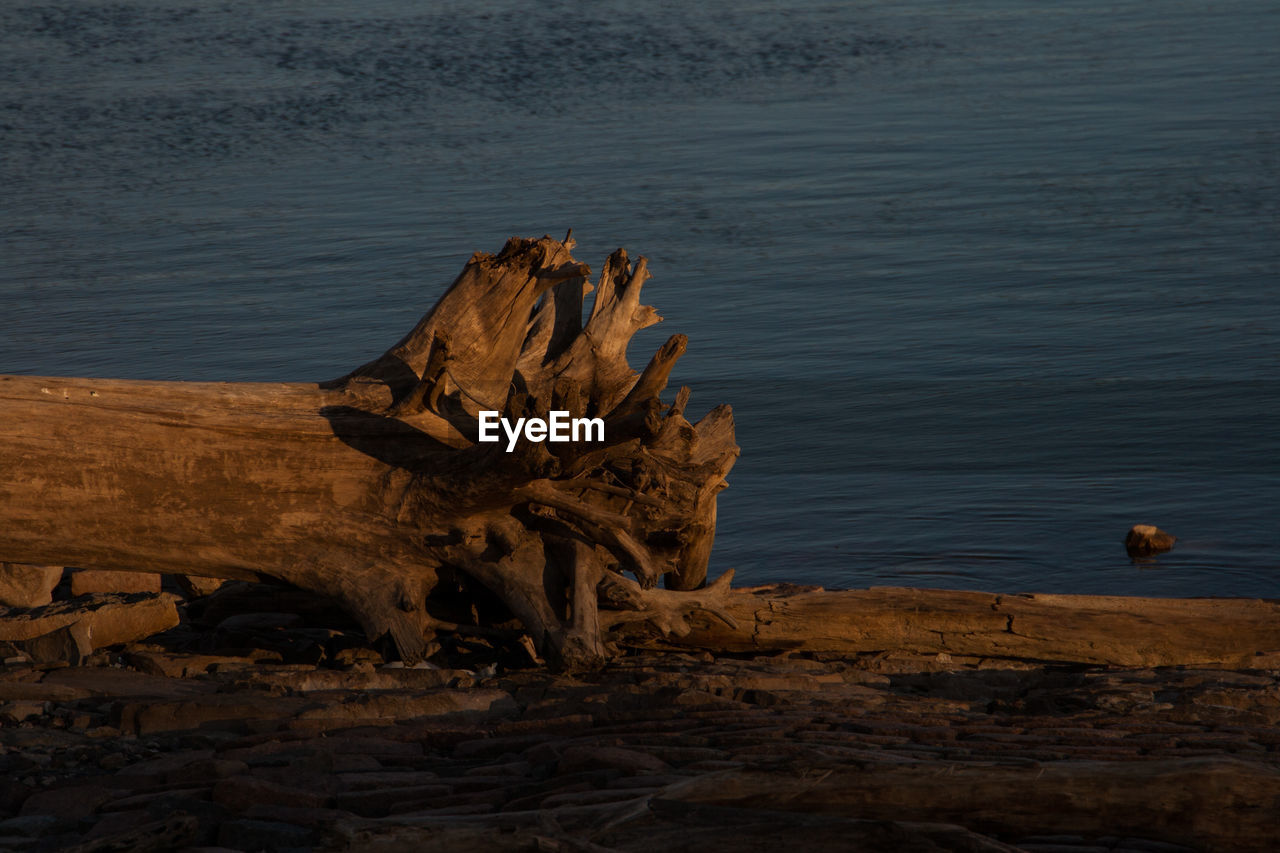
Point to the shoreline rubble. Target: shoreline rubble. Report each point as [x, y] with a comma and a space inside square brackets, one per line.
[263, 722]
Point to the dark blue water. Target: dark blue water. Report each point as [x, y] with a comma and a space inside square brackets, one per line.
[985, 282]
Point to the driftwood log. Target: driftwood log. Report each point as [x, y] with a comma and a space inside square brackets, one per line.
[374, 489]
[967, 627]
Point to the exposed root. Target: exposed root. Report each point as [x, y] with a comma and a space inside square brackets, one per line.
[509, 335]
[667, 610]
[607, 527]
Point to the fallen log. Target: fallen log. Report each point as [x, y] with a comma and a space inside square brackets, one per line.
[1079, 629]
[376, 489]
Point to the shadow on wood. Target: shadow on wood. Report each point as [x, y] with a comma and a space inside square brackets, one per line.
[374, 488]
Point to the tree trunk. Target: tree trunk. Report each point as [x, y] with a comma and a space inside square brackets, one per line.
[374, 488]
[983, 626]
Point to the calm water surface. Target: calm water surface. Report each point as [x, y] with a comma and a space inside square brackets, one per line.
[985, 282]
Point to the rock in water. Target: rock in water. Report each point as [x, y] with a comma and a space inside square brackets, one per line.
[1143, 540]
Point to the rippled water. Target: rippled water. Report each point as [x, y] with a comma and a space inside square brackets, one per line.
[986, 282]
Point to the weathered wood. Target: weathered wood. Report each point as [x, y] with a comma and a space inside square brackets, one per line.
[1087, 629]
[605, 757]
[69, 631]
[27, 586]
[374, 488]
[669, 826]
[1213, 803]
[89, 582]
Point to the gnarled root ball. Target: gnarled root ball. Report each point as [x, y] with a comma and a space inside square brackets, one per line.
[552, 527]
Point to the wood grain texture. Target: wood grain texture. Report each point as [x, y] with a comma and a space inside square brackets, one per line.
[1084, 629]
[373, 488]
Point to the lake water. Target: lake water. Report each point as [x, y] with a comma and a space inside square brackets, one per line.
[986, 282]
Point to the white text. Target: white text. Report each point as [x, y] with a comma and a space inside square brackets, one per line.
[558, 427]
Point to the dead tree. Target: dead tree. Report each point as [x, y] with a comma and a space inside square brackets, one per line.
[374, 489]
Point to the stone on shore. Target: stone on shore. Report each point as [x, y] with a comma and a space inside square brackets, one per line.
[89, 581]
[1143, 540]
[70, 631]
[194, 586]
[23, 585]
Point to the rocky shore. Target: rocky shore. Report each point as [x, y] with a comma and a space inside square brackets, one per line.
[256, 727]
